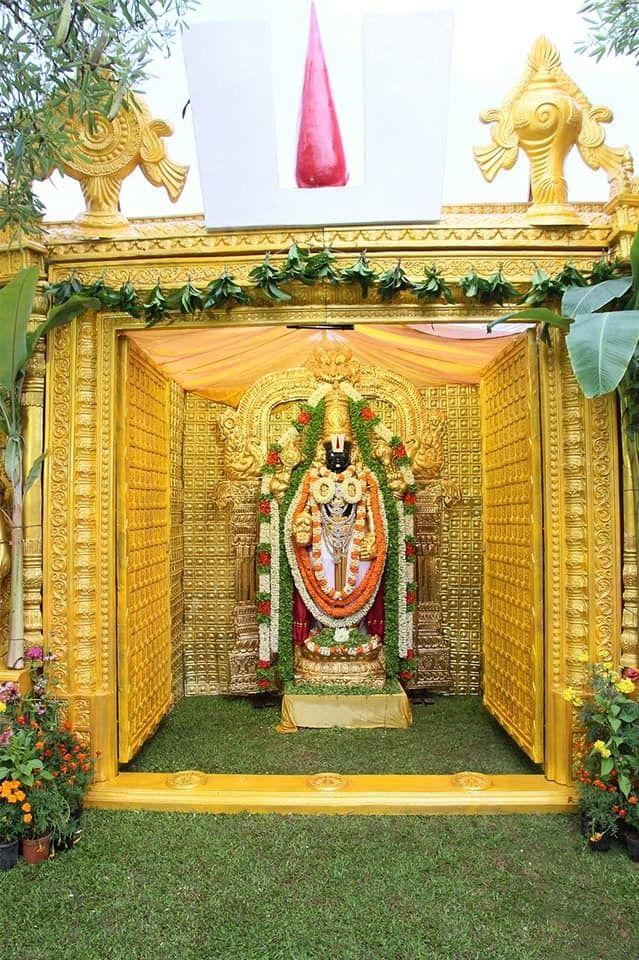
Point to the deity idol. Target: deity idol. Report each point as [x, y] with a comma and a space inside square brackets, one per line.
[336, 556]
[337, 535]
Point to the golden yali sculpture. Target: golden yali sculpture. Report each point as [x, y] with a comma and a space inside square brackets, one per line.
[108, 150]
[545, 116]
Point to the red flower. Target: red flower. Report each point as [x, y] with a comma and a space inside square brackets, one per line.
[406, 675]
[410, 498]
[304, 417]
[399, 451]
[273, 458]
[264, 558]
[367, 414]
[265, 508]
[264, 606]
[410, 550]
[410, 654]
[630, 673]
[263, 684]
[410, 598]
[264, 664]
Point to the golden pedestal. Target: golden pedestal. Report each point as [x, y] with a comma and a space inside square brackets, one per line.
[345, 710]
[341, 670]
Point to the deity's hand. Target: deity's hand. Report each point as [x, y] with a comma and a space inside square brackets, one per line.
[368, 549]
[303, 529]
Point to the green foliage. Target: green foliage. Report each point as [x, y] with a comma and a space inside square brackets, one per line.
[607, 269]
[156, 307]
[493, 289]
[361, 431]
[433, 287]
[267, 278]
[295, 265]
[361, 273]
[224, 292]
[189, 299]
[392, 282]
[326, 638]
[320, 267]
[543, 287]
[311, 435]
[613, 28]
[601, 346]
[20, 761]
[327, 689]
[62, 64]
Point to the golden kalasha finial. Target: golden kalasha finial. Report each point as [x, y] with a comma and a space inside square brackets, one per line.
[545, 116]
[108, 151]
[333, 362]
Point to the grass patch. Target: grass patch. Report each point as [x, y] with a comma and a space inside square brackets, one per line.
[156, 886]
[228, 735]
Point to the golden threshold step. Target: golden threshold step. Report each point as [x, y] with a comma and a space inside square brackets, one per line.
[333, 793]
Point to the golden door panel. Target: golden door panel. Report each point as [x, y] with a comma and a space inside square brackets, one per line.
[512, 628]
[144, 552]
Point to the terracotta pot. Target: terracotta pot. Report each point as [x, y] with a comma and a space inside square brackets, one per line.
[632, 843]
[8, 855]
[36, 851]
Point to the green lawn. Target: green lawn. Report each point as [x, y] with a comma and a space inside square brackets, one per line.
[156, 886]
[229, 735]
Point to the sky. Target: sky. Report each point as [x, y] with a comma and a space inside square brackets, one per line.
[491, 42]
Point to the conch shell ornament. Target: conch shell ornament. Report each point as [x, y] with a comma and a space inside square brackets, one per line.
[546, 115]
[107, 152]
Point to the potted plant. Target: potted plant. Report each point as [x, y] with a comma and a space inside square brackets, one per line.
[13, 807]
[48, 814]
[608, 758]
[631, 816]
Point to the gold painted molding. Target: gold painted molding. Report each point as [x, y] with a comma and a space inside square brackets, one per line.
[396, 795]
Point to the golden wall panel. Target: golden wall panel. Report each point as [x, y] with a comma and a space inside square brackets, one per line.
[460, 556]
[177, 539]
[144, 543]
[209, 563]
[512, 627]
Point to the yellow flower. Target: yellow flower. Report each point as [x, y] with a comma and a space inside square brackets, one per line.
[625, 685]
[600, 747]
[572, 696]
[3, 706]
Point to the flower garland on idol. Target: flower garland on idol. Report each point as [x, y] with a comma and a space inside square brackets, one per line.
[277, 564]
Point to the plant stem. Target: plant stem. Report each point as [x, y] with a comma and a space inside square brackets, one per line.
[15, 658]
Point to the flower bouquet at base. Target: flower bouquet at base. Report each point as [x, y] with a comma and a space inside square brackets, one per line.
[607, 758]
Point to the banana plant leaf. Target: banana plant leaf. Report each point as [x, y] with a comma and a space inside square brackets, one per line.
[536, 314]
[588, 299]
[600, 347]
[16, 303]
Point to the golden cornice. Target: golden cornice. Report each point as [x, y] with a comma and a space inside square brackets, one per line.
[496, 226]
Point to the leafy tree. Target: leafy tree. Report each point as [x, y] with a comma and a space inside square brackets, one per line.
[613, 28]
[62, 62]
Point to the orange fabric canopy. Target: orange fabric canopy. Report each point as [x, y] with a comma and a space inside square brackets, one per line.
[221, 363]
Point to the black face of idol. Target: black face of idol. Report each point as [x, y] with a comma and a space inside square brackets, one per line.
[338, 460]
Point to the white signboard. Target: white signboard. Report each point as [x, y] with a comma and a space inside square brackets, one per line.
[306, 114]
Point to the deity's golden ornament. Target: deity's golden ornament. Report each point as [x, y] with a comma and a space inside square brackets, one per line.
[108, 150]
[545, 116]
[337, 418]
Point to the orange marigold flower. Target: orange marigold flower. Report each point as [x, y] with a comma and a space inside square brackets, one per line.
[26, 808]
[39, 745]
[27, 817]
[20, 795]
[68, 726]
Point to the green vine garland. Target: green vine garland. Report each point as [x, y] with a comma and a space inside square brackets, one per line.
[302, 266]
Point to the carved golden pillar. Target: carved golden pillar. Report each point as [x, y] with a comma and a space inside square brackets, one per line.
[629, 633]
[582, 521]
[33, 424]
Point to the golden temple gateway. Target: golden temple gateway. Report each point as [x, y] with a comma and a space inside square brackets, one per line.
[143, 540]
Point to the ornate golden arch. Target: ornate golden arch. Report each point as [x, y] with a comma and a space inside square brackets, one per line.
[246, 429]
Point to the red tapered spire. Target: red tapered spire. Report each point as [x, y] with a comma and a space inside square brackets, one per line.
[320, 152]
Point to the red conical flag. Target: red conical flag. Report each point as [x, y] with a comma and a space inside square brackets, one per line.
[320, 153]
